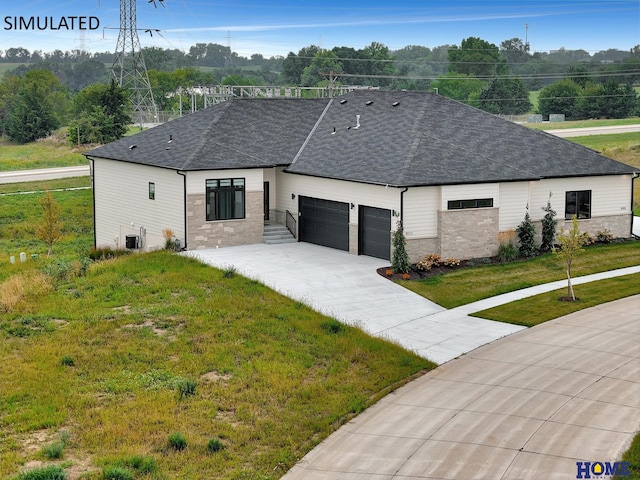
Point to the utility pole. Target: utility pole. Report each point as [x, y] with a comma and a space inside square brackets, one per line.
[333, 76]
[526, 37]
[129, 69]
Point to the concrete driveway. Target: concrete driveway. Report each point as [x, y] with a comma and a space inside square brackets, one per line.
[528, 406]
[348, 288]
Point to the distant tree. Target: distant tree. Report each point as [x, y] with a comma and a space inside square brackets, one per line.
[102, 114]
[293, 66]
[49, 230]
[560, 97]
[477, 57]
[324, 61]
[570, 246]
[38, 108]
[515, 51]
[579, 73]
[506, 96]
[607, 100]
[458, 86]
[378, 64]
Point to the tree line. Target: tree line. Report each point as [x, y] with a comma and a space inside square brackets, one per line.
[48, 90]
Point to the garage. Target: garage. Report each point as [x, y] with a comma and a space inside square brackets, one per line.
[374, 234]
[324, 222]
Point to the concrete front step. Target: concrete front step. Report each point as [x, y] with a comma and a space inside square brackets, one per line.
[276, 234]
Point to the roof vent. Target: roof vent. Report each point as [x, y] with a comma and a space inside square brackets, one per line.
[342, 102]
[131, 147]
[395, 104]
[170, 139]
[357, 122]
[369, 102]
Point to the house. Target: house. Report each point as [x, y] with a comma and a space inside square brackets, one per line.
[343, 172]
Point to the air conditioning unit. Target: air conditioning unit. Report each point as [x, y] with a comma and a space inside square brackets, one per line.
[132, 242]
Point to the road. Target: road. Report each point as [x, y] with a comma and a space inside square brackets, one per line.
[583, 132]
[15, 176]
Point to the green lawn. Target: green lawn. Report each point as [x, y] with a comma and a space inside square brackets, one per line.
[547, 306]
[467, 285]
[201, 352]
[40, 154]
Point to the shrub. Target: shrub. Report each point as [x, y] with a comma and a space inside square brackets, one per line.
[67, 361]
[142, 464]
[428, 262]
[451, 262]
[549, 224]
[527, 235]
[332, 326]
[587, 239]
[116, 473]
[59, 269]
[54, 450]
[53, 472]
[177, 441]
[229, 272]
[400, 259]
[106, 253]
[604, 236]
[215, 445]
[185, 387]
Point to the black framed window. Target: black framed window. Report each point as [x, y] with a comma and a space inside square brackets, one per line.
[152, 191]
[225, 199]
[577, 203]
[475, 203]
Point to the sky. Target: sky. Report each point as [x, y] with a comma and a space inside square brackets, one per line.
[277, 27]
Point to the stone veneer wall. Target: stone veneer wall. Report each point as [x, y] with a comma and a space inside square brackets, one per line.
[468, 233]
[354, 247]
[618, 225]
[224, 233]
[418, 248]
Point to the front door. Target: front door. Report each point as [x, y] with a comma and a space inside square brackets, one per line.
[266, 201]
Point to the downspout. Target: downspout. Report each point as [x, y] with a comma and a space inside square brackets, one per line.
[402, 205]
[184, 203]
[633, 218]
[93, 194]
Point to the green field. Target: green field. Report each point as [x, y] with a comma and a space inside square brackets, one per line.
[205, 353]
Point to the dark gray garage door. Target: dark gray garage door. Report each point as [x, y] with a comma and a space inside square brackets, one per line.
[374, 234]
[324, 222]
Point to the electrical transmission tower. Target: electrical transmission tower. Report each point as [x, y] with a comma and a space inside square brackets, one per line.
[129, 69]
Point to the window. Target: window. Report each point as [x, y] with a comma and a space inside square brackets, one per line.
[152, 191]
[477, 203]
[225, 199]
[578, 203]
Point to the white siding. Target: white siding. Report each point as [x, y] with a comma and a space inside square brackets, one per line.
[514, 198]
[421, 212]
[121, 193]
[336, 190]
[196, 181]
[610, 195]
[470, 192]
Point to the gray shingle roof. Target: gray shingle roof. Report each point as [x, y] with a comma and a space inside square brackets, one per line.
[424, 139]
[428, 139]
[241, 133]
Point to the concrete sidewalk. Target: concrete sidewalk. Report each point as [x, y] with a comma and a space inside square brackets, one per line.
[528, 406]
